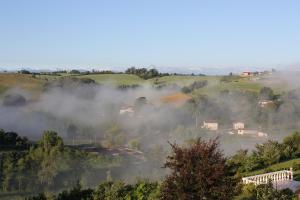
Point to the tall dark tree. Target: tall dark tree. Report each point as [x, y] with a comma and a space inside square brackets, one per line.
[266, 93]
[197, 172]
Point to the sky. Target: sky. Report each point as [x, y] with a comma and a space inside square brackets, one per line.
[55, 34]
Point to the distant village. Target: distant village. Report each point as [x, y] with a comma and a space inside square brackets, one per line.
[238, 128]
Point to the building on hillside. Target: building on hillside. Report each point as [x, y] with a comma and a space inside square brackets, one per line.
[238, 125]
[265, 103]
[128, 110]
[254, 133]
[247, 74]
[210, 125]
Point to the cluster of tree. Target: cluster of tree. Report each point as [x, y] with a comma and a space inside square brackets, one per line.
[266, 93]
[125, 87]
[24, 71]
[74, 71]
[266, 154]
[108, 191]
[194, 86]
[77, 72]
[197, 171]
[145, 73]
[47, 165]
[80, 87]
[144, 190]
[104, 72]
[12, 140]
[14, 100]
[69, 82]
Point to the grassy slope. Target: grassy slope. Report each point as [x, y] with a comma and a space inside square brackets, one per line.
[2, 89]
[277, 167]
[214, 85]
[117, 79]
[183, 80]
[22, 81]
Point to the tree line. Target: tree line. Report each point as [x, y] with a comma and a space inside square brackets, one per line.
[198, 170]
[266, 154]
[11, 140]
[47, 164]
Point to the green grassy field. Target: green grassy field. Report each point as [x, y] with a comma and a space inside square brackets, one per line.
[215, 86]
[2, 89]
[277, 167]
[184, 80]
[116, 79]
[35, 84]
[21, 81]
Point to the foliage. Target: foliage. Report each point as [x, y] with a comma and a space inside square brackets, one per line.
[125, 87]
[265, 192]
[79, 87]
[74, 71]
[266, 154]
[194, 86]
[197, 172]
[14, 100]
[144, 72]
[12, 140]
[142, 190]
[23, 71]
[291, 146]
[266, 93]
[47, 165]
[140, 102]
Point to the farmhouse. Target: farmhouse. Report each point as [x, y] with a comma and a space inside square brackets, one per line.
[265, 103]
[129, 110]
[238, 125]
[210, 125]
[251, 133]
[247, 74]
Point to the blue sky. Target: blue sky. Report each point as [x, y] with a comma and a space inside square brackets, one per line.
[164, 33]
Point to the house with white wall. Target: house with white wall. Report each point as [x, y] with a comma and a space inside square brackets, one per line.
[211, 125]
[238, 125]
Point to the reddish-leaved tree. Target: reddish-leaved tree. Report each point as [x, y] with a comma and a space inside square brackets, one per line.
[198, 172]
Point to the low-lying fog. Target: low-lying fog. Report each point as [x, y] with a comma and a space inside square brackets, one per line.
[95, 109]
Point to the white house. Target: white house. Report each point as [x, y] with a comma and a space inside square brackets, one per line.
[252, 133]
[238, 125]
[211, 125]
[265, 103]
[129, 110]
[262, 134]
[247, 74]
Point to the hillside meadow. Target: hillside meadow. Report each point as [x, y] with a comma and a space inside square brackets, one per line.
[34, 83]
